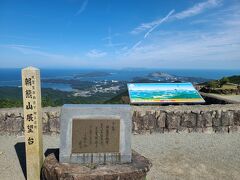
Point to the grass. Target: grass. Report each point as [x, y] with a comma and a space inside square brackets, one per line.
[227, 86]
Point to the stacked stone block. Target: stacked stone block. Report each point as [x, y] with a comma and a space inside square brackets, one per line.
[146, 119]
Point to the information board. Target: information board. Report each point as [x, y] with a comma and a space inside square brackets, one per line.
[163, 93]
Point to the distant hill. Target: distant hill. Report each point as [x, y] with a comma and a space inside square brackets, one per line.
[231, 79]
[234, 79]
[165, 77]
[92, 74]
[121, 98]
[161, 75]
[12, 97]
[111, 92]
[226, 85]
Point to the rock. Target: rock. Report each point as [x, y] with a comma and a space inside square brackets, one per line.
[161, 120]
[152, 122]
[149, 122]
[208, 130]
[54, 121]
[137, 122]
[45, 117]
[236, 119]
[173, 120]
[200, 120]
[13, 123]
[46, 125]
[189, 120]
[137, 170]
[207, 118]
[227, 118]
[217, 118]
[2, 119]
[145, 118]
[18, 125]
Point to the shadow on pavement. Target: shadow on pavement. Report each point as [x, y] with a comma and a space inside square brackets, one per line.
[20, 150]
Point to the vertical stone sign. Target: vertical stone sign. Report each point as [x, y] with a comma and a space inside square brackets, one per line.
[32, 121]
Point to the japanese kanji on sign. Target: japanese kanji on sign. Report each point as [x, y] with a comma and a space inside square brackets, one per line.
[32, 121]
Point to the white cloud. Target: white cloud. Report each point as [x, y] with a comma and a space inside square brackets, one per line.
[159, 22]
[195, 10]
[32, 50]
[150, 27]
[35, 56]
[82, 8]
[136, 45]
[94, 53]
[216, 45]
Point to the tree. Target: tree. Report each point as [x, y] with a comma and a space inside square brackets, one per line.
[223, 81]
[213, 84]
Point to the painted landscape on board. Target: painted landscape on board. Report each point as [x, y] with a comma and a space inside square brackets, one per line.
[163, 93]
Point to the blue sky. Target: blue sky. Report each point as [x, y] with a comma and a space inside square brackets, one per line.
[187, 34]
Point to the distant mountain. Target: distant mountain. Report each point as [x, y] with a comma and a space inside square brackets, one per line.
[92, 74]
[165, 77]
[143, 80]
[231, 79]
[234, 79]
[161, 75]
[122, 98]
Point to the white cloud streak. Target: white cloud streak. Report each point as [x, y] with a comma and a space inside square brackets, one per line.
[35, 56]
[193, 11]
[214, 46]
[94, 53]
[157, 23]
[32, 50]
[109, 40]
[197, 9]
[136, 45]
[82, 8]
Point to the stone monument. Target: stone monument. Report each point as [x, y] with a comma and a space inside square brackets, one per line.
[32, 121]
[95, 134]
[95, 143]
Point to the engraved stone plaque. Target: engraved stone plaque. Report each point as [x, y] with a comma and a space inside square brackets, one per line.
[95, 135]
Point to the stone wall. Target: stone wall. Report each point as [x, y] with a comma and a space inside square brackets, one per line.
[11, 121]
[162, 119]
[195, 118]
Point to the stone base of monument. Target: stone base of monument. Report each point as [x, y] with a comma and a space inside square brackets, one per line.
[136, 170]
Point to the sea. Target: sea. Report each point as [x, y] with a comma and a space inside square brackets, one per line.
[12, 77]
